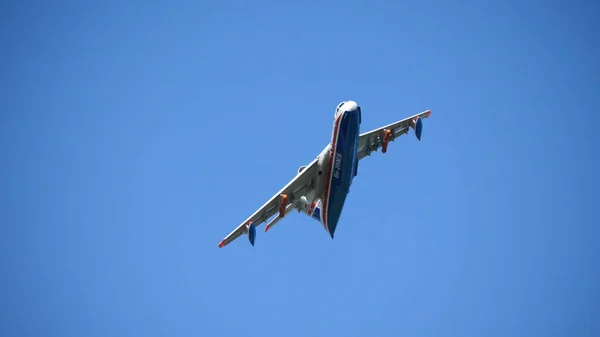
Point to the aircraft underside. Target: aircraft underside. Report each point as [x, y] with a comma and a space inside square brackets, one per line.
[320, 188]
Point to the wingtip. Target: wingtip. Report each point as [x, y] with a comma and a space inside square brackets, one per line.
[267, 228]
[222, 244]
[428, 113]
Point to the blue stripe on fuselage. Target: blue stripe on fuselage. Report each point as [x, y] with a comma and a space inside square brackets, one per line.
[317, 214]
[344, 160]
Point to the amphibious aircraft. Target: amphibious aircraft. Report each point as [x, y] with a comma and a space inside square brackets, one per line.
[319, 189]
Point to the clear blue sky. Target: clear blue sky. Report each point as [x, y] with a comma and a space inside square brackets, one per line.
[136, 135]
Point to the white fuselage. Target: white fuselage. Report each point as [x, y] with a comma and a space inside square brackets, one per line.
[336, 169]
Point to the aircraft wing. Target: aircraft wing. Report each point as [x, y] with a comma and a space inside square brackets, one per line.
[298, 186]
[379, 138]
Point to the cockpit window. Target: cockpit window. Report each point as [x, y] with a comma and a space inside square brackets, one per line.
[338, 107]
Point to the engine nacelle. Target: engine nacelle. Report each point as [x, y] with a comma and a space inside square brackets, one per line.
[301, 168]
[324, 157]
[322, 167]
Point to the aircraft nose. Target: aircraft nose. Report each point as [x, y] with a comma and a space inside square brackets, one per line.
[350, 106]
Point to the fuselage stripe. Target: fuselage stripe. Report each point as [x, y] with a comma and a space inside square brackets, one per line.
[324, 209]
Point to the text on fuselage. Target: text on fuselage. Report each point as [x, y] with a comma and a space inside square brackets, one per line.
[337, 165]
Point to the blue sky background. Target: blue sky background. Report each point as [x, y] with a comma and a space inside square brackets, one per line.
[136, 135]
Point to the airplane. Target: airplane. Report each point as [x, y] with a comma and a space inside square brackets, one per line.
[319, 189]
